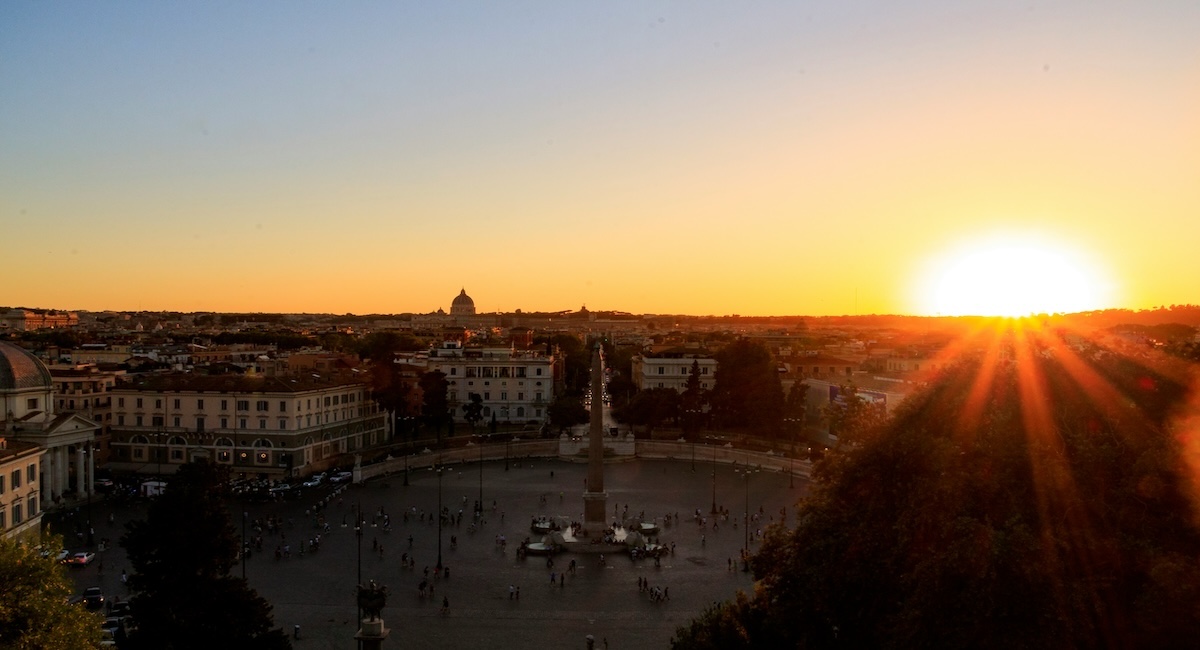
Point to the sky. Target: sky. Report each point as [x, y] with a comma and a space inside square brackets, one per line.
[764, 158]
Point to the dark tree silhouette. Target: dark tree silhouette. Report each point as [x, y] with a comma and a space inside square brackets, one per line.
[1041, 503]
[181, 555]
[747, 393]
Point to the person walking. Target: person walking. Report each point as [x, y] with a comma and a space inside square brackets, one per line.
[445, 605]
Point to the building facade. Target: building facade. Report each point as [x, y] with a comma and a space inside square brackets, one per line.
[20, 474]
[37, 319]
[515, 385]
[672, 369]
[274, 426]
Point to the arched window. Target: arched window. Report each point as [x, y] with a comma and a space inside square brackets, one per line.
[263, 442]
[223, 442]
[177, 441]
[520, 411]
[139, 440]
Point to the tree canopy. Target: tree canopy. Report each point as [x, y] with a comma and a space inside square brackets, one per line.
[1038, 503]
[181, 555]
[747, 393]
[34, 608]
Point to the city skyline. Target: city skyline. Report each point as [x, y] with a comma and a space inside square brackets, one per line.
[650, 158]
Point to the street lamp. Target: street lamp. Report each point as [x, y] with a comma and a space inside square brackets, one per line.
[479, 508]
[358, 533]
[746, 518]
[714, 481]
[245, 516]
[439, 561]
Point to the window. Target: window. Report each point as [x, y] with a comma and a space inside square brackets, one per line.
[282, 406]
[120, 420]
[326, 401]
[121, 402]
[176, 403]
[1, 484]
[139, 453]
[503, 396]
[16, 506]
[70, 403]
[200, 425]
[487, 395]
[3, 518]
[139, 420]
[538, 372]
[177, 421]
[158, 403]
[199, 404]
[684, 371]
[704, 371]
[224, 423]
[243, 405]
[33, 504]
[138, 403]
[31, 474]
[262, 405]
[520, 397]
[262, 423]
[177, 454]
[282, 423]
[157, 420]
[662, 370]
[224, 405]
[224, 456]
[453, 371]
[16, 479]
[241, 423]
[32, 404]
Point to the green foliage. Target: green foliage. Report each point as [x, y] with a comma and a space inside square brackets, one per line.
[651, 408]
[181, 555]
[1040, 504]
[747, 393]
[473, 410]
[577, 360]
[692, 401]
[34, 608]
[435, 408]
[567, 411]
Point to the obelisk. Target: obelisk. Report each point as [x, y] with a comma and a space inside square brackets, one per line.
[595, 499]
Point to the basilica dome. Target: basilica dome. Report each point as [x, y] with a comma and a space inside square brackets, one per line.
[462, 305]
[20, 370]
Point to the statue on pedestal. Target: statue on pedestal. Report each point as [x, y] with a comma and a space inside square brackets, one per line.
[372, 598]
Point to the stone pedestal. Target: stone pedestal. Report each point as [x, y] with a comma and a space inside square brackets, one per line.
[595, 505]
[372, 633]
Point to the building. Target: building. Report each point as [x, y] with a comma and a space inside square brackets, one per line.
[37, 319]
[20, 511]
[671, 369]
[515, 385]
[271, 426]
[66, 441]
[462, 305]
[83, 389]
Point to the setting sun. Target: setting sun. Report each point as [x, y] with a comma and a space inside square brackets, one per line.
[1012, 278]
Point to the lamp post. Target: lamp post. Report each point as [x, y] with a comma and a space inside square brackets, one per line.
[714, 482]
[358, 533]
[245, 515]
[792, 456]
[746, 519]
[439, 561]
[480, 507]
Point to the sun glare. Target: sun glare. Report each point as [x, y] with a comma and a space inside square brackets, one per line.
[1003, 278]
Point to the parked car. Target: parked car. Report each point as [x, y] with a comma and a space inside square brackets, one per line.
[82, 558]
[342, 477]
[93, 598]
[314, 481]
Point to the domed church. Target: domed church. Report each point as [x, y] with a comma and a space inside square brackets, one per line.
[462, 305]
[27, 416]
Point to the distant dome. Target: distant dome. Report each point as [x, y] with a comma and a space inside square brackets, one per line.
[20, 370]
[462, 305]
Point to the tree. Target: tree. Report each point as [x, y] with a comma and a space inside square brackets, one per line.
[1040, 503]
[652, 408]
[436, 407]
[692, 400]
[473, 411]
[181, 555]
[567, 411]
[851, 416]
[747, 393]
[34, 608]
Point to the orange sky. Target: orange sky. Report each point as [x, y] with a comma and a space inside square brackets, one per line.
[697, 159]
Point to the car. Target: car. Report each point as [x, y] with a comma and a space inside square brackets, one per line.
[93, 598]
[342, 477]
[313, 481]
[62, 556]
[82, 558]
[120, 608]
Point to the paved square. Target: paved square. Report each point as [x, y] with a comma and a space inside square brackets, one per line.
[316, 591]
